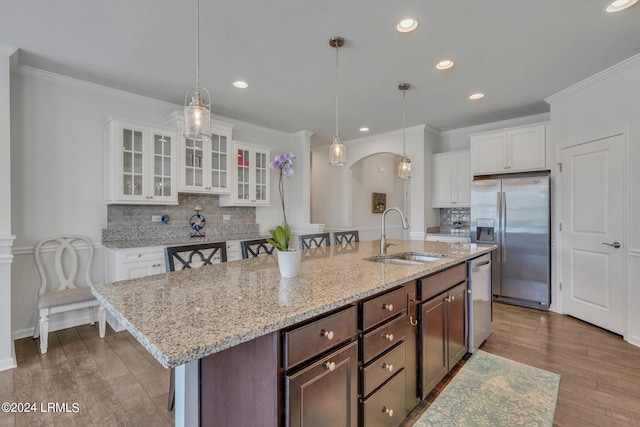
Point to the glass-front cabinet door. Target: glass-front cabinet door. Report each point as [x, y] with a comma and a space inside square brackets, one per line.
[204, 165]
[250, 176]
[140, 163]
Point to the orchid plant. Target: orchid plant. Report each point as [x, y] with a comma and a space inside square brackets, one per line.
[281, 234]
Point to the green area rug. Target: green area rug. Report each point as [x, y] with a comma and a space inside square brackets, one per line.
[493, 391]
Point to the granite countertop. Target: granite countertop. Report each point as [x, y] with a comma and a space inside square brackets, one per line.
[184, 240]
[186, 315]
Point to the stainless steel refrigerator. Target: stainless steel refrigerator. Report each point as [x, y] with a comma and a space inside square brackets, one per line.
[513, 212]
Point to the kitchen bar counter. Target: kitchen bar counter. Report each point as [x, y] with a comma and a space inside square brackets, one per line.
[183, 316]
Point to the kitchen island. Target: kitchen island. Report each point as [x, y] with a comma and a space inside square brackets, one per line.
[185, 316]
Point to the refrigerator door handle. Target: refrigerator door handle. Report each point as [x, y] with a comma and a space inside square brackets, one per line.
[499, 231]
[503, 228]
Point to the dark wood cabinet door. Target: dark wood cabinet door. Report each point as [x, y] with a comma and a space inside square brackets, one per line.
[433, 351]
[457, 321]
[326, 392]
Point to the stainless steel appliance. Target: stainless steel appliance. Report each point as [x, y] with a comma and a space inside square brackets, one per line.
[513, 211]
[479, 301]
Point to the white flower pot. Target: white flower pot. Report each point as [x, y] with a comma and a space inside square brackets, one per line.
[289, 262]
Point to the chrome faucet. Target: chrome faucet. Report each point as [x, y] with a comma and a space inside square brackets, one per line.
[383, 240]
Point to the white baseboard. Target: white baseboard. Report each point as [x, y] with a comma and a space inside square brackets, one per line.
[632, 339]
[73, 319]
[11, 362]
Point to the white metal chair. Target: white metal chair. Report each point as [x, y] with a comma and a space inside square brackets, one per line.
[65, 293]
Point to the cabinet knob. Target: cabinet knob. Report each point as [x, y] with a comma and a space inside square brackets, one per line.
[387, 366]
[388, 307]
[387, 411]
[330, 365]
[388, 337]
[327, 334]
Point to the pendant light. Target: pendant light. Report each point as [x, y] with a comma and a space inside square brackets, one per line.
[404, 167]
[197, 110]
[338, 151]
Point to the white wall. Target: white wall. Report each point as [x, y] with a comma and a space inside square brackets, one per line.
[376, 174]
[57, 171]
[603, 105]
[7, 354]
[332, 192]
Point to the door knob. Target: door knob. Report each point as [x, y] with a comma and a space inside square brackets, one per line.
[613, 245]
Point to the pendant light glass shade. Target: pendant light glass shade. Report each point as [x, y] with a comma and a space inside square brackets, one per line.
[337, 151]
[404, 167]
[197, 109]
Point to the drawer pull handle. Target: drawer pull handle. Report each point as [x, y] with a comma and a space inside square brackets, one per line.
[387, 411]
[327, 334]
[388, 337]
[330, 366]
[387, 366]
[388, 307]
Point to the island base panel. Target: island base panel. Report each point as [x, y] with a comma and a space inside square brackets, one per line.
[239, 386]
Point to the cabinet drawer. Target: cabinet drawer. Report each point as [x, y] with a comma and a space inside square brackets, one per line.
[312, 339]
[383, 307]
[381, 369]
[385, 407]
[433, 285]
[382, 338]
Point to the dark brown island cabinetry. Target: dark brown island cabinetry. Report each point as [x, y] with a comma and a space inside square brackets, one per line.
[367, 364]
[441, 325]
[321, 371]
[382, 359]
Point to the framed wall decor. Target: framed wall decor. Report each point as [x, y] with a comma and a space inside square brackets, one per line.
[378, 202]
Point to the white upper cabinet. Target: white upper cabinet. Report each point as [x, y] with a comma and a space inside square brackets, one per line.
[451, 179]
[509, 150]
[250, 176]
[204, 165]
[140, 163]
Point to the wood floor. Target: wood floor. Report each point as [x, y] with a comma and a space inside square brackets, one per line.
[117, 383]
[114, 381]
[600, 373]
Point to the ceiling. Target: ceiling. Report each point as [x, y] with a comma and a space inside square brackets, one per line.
[518, 52]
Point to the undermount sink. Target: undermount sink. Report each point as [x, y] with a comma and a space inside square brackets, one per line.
[407, 258]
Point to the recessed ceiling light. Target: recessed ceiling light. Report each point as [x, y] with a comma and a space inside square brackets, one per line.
[618, 5]
[240, 84]
[476, 96]
[364, 129]
[445, 64]
[407, 25]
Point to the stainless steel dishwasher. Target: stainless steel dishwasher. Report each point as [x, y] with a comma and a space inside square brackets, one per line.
[479, 301]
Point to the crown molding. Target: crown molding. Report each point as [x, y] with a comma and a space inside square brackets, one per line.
[94, 87]
[519, 121]
[603, 75]
[7, 50]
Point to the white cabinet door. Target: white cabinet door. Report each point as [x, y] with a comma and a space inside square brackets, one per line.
[509, 150]
[251, 176]
[204, 165]
[451, 180]
[527, 149]
[140, 163]
[489, 153]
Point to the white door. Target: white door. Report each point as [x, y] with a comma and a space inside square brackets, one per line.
[593, 232]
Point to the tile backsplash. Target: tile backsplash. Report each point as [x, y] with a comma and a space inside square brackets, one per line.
[140, 215]
[449, 215]
[133, 222]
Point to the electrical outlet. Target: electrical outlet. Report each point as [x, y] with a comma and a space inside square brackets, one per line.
[226, 217]
[156, 218]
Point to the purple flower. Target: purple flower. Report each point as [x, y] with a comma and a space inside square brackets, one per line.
[284, 163]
